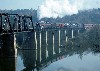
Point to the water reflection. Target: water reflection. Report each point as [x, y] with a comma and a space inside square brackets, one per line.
[29, 59]
[7, 64]
[54, 51]
[89, 62]
[48, 49]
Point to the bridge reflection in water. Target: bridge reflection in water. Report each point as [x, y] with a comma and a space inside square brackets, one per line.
[50, 46]
[38, 49]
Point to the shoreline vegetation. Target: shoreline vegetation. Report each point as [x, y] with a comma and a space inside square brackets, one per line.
[91, 16]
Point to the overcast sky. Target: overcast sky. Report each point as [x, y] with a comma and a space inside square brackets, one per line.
[27, 4]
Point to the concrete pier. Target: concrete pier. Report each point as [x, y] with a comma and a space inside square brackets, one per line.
[8, 47]
[72, 34]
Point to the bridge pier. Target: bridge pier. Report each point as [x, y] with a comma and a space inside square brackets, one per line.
[78, 31]
[63, 37]
[46, 44]
[53, 45]
[29, 59]
[66, 36]
[50, 43]
[72, 33]
[56, 42]
[8, 48]
[43, 46]
[38, 45]
[59, 40]
[28, 39]
[75, 32]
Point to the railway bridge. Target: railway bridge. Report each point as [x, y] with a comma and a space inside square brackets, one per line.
[13, 26]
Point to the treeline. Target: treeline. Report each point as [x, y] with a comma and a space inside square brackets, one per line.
[88, 41]
[91, 16]
[86, 17]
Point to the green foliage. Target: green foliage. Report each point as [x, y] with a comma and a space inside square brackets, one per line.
[89, 40]
[85, 17]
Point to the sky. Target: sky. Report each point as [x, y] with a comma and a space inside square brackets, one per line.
[51, 8]
[27, 4]
[20, 4]
[60, 8]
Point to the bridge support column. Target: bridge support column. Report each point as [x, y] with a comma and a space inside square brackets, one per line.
[17, 27]
[59, 41]
[36, 45]
[40, 47]
[28, 41]
[8, 48]
[56, 42]
[46, 44]
[53, 45]
[72, 34]
[66, 36]
[78, 31]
